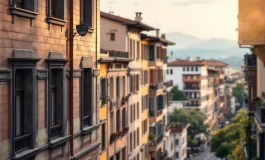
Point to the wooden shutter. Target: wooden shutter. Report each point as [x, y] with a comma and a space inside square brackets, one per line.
[138, 107]
[138, 138]
[131, 142]
[89, 12]
[131, 115]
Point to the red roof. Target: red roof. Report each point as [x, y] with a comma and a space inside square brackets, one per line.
[181, 62]
[214, 63]
[126, 21]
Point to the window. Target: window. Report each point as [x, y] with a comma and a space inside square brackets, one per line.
[123, 153]
[112, 158]
[86, 9]
[111, 123]
[151, 53]
[131, 115]
[123, 117]
[118, 156]
[171, 71]
[177, 154]
[104, 91]
[117, 87]
[188, 68]
[134, 140]
[25, 4]
[138, 157]
[176, 142]
[183, 68]
[171, 146]
[134, 49]
[103, 139]
[138, 50]
[23, 105]
[118, 120]
[138, 110]
[131, 48]
[191, 68]
[196, 68]
[88, 95]
[138, 136]
[112, 36]
[57, 9]
[123, 85]
[111, 88]
[134, 110]
[131, 142]
[167, 71]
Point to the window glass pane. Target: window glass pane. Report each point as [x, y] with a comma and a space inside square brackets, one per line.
[53, 107]
[18, 124]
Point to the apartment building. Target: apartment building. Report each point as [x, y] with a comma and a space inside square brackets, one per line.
[49, 79]
[114, 100]
[177, 146]
[124, 35]
[154, 48]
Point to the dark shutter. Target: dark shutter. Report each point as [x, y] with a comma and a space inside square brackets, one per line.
[29, 5]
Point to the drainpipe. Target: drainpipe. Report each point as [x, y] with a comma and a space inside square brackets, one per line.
[96, 47]
[71, 50]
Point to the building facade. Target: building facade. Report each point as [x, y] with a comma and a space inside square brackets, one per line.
[47, 77]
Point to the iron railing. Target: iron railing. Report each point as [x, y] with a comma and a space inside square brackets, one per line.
[56, 130]
[260, 111]
[156, 86]
[118, 54]
[22, 143]
[192, 88]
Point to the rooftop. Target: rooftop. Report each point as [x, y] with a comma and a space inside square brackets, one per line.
[181, 62]
[156, 39]
[128, 22]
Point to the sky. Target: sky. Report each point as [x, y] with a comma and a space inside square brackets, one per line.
[205, 19]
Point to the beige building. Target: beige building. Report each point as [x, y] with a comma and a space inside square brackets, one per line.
[124, 35]
[47, 76]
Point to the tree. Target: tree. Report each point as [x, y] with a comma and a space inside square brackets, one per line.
[194, 117]
[238, 92]
[176, 94]
[230, 140]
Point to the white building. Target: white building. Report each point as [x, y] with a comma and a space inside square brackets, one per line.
[177, 138]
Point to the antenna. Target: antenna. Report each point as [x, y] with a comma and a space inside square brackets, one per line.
[110, 3]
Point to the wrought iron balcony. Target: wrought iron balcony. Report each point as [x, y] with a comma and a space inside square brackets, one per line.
[260, 114]
[169, 83]
[56, 130]
[159, 139]
[22, 143]
[156, 86]
[192, 88]
[192, 105]
[118, 54]
[250, 60]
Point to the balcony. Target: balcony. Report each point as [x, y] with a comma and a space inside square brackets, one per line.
[56, 130]
[156, 86]
[250, 60]
[191, 105]
[22, 143]
[260, 114]
[192, 89]
[117, 54]
[194, 98]
[169, 83]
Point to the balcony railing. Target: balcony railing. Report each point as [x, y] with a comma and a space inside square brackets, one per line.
[192, 105]
[164, 155]
[192, 88]
[156, 86]
[56, 130]
[22, 143]
[250, 60]
[118, 54]
[169, 83]
[260, 112]
[194, 97]
[159, 139]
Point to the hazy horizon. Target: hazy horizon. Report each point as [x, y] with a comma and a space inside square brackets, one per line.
[205, 19]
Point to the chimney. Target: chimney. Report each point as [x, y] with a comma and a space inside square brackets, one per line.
[157, 32]
[198, 58]
[138, 17]
[189, 59]
[163, 36]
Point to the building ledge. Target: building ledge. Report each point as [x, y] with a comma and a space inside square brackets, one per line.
[27, 154]
[56, 21]
[59, 141]
[23, 13]
[89, 129]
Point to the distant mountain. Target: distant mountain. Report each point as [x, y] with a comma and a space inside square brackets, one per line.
[216, 48]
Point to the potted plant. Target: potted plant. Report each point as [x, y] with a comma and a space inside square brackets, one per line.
[125, 129]
[260, 102]
[120, 133]
[151, 137]
[114, 136]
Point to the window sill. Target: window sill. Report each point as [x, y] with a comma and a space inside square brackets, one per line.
[27, 154]
[56, 21]
[59, 141]
[23, 13]
[89, 129]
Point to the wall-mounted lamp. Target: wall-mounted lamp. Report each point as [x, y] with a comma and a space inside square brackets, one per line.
[82, 29]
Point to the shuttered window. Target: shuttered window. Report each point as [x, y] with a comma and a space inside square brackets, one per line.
[57, 9]
[86, 12]
[151, 53]
[26, 4]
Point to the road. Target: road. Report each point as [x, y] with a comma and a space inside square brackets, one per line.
[206, 155]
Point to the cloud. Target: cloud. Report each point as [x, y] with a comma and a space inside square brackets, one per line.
[193, 2]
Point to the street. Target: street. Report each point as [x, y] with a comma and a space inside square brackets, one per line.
[206, 155]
